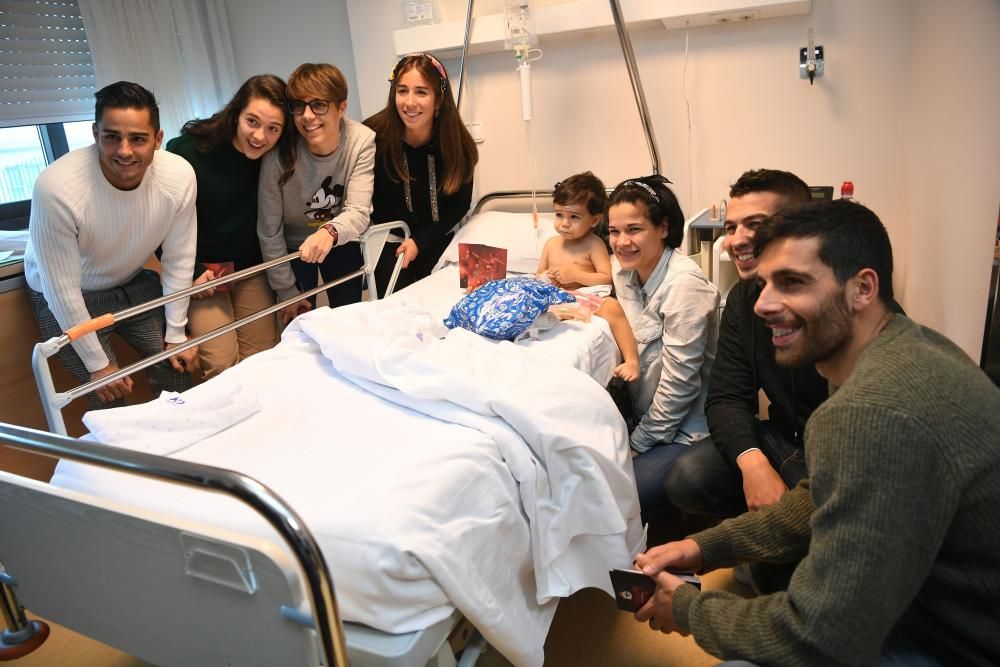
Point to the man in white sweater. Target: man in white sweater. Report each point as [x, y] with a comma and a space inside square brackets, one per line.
[97, 214]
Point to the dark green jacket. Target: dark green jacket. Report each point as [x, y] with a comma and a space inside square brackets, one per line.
[227, 203]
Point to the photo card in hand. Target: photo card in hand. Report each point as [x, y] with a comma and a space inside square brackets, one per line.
[633, 589]
[220, 269]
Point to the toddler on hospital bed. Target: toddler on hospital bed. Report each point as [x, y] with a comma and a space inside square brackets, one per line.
[577, 260]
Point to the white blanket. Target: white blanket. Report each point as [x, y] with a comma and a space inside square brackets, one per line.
[558, 431]
[418, 515]
[171, 422]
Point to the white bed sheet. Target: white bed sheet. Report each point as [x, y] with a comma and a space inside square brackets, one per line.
[415, 516]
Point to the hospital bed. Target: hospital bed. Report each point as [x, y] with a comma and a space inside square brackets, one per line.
[544, 551]
[435, 478]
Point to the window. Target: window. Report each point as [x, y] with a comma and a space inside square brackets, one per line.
[47, 93]
[79, 134]
[24, 152]
[22, 158]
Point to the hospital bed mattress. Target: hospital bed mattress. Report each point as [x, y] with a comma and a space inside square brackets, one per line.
[416, 516]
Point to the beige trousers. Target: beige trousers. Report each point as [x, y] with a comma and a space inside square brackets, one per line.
[245, 297]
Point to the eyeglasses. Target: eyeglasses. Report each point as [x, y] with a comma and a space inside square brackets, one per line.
[298, 107]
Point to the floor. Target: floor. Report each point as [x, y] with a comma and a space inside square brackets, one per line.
[588, 631]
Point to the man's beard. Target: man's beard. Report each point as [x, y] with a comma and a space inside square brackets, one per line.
[820, 337]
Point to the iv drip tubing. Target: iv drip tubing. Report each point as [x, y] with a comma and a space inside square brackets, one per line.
[687, 105]
[524, 72]
[531, 174]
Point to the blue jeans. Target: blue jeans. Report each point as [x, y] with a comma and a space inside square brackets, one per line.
[652, 467]
[341, 260]
[704, 482]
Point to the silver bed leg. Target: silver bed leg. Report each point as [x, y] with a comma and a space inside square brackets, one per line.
[21, 636]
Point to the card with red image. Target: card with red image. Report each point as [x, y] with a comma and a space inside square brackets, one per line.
[633, 589]
[220, 269]
[478, 264]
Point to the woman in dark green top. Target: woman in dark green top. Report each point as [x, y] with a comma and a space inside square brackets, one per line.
[225, 151]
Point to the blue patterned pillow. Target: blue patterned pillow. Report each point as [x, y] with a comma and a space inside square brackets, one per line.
[504, 309]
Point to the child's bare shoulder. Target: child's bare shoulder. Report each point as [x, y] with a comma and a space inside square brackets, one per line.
[554, 243]
[595, 243]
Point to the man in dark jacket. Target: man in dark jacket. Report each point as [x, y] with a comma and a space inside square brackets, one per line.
[749, 463]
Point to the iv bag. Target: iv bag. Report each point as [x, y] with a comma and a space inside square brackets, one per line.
[519, 25]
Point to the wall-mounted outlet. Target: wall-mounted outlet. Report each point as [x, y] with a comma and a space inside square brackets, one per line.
[810, 68]
[476, 130]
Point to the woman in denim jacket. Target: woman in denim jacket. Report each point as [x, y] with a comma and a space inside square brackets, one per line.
[673, 311]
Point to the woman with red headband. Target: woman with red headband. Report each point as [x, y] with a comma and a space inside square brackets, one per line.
[423, 166]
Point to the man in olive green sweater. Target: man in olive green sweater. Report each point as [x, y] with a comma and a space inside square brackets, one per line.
[898, 526]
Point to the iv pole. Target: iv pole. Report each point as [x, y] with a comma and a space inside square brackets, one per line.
[633, 75]
[465, 51]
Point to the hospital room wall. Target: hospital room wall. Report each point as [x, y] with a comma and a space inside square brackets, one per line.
[893, 80]
[276, 37]
[948, 199]
[748, 106]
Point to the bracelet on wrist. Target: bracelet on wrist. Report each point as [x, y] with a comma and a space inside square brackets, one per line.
[333, 231]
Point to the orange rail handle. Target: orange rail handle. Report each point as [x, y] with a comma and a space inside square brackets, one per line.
[90, 326]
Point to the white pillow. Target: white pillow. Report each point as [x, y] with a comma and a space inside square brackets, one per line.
[513, 231]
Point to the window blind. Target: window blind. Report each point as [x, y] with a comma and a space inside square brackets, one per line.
[46, 73]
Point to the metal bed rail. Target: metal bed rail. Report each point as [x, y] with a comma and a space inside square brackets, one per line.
[251, 492]
[515, 194]
[507, 194]
[372, 243]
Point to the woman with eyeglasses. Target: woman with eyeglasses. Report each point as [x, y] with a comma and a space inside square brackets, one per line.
[320, 203]
[225, 152]
[423, 166]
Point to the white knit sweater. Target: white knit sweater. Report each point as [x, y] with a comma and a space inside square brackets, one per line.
[85, 235]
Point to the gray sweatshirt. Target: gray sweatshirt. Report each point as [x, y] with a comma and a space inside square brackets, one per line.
[334, 188]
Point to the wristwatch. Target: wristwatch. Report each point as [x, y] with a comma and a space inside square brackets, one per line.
[333, 231]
